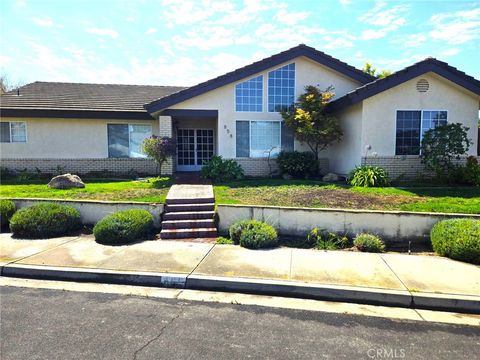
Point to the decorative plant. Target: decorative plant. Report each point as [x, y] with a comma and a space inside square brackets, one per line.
[471, 171]
[311, 122]
[441, 146]
[326, 240]
[297, 164]
[219, 169]
[368, 176]
[159, 149]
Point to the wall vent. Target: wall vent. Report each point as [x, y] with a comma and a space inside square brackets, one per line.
[422, 85]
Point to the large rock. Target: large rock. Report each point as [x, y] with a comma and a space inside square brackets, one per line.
[66, 181]
[331, 177]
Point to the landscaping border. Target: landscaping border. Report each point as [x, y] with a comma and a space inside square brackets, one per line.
[396, 228]
[92, 211]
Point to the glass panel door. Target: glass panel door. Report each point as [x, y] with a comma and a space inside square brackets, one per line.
[194, 146]
[204, 145]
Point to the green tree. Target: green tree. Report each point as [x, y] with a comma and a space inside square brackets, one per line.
[159, 149]
[441, 146]
[370, 70]
[311, 122]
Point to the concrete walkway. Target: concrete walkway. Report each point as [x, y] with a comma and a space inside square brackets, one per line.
[388, 279]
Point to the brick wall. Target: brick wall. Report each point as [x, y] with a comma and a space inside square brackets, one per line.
[400, 167]
[119, 166]
[258, 167]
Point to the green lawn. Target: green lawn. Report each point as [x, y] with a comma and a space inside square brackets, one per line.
[152, 190]
[317, 194]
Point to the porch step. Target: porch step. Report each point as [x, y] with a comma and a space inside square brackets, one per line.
[188, 233]
[206, 200]
[188, 215]
[188, 224]
[190, 207]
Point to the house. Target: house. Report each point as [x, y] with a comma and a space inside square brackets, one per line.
[95, 127]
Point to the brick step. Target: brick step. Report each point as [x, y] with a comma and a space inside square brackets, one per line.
[190, 207]
[188, 224]
[206, 200]
[188, 215]
[188, 233]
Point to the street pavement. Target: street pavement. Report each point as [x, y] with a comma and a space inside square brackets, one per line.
[53, 324]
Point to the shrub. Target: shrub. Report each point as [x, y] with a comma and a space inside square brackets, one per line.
[326, 240]
[258, 235]
[159, 149]
[441, 146]
[7, 208]
[224, 241]
[221, 170]
[458, 239]
[45, 220]
[124, 227]
[471, 171]
[369, 243]
[236, 229]
[368, 176]
[297, 164]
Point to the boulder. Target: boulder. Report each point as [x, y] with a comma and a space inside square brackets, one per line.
[66, 181]
[331, 177]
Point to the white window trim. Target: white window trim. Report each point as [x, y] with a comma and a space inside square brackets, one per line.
[421, 127]
[128, 125]
[11, 134]
[235, 95]
[294, 84]
[250, 137]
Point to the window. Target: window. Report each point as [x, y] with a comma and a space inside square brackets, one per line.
[411, 125]
[281, 88]
[257, 138]
[126, 140]
[249, 95]
[13, 132]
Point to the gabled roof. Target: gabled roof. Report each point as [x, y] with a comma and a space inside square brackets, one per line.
[246, 71]
[82, 100]
[428, 65]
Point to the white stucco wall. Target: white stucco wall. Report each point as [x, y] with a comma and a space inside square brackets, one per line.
[64, 138]
[223, 99]
[379, 111]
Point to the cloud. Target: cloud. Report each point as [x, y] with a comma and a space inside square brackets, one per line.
[102, 32]
[456, 28]
[383, 20]
[151, 31]
[45, 22]
[336, 43]
[345, 2]
[449, 52]
[412, 40]
[290, 18]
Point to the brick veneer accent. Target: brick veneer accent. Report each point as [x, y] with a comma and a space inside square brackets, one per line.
[119, 166]
[258, 167]
[402, 167]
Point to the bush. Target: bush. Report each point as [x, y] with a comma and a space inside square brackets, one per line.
[7, 208]
[368, 176]
[220, 170]
[471, 171]
[45, 220]
[326, 240]
[236, 229]
[368, 243]
[258, 235]
[224, 241]
[297, 164]
[458, 239]
[124, 227]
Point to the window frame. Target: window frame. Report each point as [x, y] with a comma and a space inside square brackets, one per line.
[294, 85]
[250, 137]
[11, 135]
[235, 94]
[421, 127]
[129, 141]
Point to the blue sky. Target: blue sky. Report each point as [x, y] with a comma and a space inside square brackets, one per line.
[170, 42]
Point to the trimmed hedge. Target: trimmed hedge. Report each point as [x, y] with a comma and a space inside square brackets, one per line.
[124, 227]
[297, 164]
[258, 235]
[369, 243]
[45, 220]
[7, 209]
[458, 239]
[236, 229]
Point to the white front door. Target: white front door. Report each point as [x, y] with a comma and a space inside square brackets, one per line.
[194, 146]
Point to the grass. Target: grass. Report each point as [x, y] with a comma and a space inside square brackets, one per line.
[316, 194]
[152, 190]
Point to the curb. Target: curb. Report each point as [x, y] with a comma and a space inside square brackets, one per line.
[352, 294]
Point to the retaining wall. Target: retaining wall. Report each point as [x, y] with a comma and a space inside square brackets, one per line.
[91, 211]
[397, 228]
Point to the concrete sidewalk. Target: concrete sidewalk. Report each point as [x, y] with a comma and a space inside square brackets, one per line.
[387, 279]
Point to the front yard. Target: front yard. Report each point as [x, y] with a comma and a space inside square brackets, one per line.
[276, 192]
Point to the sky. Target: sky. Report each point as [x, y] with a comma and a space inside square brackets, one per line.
[184, 42]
